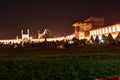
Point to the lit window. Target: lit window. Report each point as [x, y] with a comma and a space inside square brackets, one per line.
[100, 31]
[97, 31]
[93, 33]
[103, 30]
[110, 30]
[106, 30]
[113, 28]
[118, 28]
[90, 33]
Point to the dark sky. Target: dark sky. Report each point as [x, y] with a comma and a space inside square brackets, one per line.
[56, 15]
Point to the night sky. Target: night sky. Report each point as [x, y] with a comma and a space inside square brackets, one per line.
[56, 15]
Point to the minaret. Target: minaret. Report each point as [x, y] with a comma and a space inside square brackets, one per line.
[22, 33]
[38, 34]
[17, 37]
[28, 32]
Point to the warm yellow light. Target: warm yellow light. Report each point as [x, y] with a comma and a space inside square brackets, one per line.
[90, 33]
[110, 30]
[118, 28]
[106, 30]
[113, 28]
[100, 31]
[103, 31]
[97, 32]
[114, 36]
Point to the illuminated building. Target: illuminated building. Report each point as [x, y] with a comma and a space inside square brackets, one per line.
[96, 22]
[91, 27]
[40, 35]
[25, 37]
[113, 30]
[81, 29]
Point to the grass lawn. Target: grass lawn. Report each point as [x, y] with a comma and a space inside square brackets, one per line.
[85, 63]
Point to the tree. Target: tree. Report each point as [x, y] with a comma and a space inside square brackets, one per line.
[92, 39]
[75, 39]
[118, 36]
[117, 39]
[110, 38]
[97, 39]
[104, 38]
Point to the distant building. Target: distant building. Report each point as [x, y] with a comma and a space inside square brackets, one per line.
[114, 30]
[25, 37]
[40, 35]
[91, 27]
[81, 29]
[96, 22]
